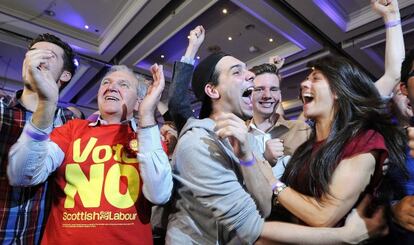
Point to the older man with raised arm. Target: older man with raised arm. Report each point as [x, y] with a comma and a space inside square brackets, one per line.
[104, 175]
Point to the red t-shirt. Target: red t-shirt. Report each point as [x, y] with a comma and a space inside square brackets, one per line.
[367, 141]
[97, 191]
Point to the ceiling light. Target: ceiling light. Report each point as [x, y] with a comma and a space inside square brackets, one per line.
[162, 56]
[230, 38]
[198, 57]
[86, 27]
[76, 62]
[49, 12]
[271, 40]
[253, 49]
[224, 11]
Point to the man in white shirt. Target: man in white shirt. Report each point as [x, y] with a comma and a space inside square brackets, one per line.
[98, 175]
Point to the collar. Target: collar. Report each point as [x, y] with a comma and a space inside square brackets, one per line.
[13, 101]
[101, 121]
[280, 122]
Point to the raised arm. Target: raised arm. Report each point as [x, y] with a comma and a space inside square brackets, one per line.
[33, 157]
[345, 187]
[154, 165]
[394, 45]
[179, 104]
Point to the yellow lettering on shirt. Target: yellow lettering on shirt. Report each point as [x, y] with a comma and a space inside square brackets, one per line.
[89, 190]
[81, 157]
[113, 178]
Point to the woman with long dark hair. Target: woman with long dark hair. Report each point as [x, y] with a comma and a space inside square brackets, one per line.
[344, 157]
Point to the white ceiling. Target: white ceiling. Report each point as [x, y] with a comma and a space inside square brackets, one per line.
[138, 32]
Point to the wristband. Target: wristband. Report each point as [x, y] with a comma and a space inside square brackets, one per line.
[247, 163]
[392, 23]
[149, 126]
[36, 136]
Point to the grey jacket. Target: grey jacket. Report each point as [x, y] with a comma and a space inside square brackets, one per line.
[211, 202]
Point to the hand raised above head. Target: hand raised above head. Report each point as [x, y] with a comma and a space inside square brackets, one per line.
[196, 38]
[388, 9]
[277, 60]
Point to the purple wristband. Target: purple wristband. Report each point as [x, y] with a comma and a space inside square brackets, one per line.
[247, 163]
[392, 23]
[36, 136]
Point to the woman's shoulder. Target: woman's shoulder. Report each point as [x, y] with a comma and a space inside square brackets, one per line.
[365, 141]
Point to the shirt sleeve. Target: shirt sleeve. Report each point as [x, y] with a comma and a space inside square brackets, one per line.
[179, 101]
[31, 161]
[154, 166]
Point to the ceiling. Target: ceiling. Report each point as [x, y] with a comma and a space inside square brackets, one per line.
[139, 33]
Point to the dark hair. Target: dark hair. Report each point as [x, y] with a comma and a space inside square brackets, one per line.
[206, 107]
[265, 68]
[407, 66]
[68, 54]
[358, 107]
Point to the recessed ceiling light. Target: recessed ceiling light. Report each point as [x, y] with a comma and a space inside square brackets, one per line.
[162, 56]
[230, 38]
[224, 11]
[49, 12]
[198, 57]
[86, 27]
[271, 40]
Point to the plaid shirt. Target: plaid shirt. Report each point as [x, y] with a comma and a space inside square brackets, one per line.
[22, 210]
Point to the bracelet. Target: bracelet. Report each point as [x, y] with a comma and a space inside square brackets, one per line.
[392, 23]
[149, 126]
[277, 188]
[36, 136]
[247, 163]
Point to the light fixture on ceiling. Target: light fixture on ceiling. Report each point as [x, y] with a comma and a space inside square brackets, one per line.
[86, 27]
[224, 11]
[271, 40]
[76, 62]
[250, 27]
[198, 57]
[49, 12]
[229, 38]
[253, 49]
[162, 56]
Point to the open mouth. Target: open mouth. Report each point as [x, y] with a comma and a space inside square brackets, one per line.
[266, 103]
[111, 98]
[307, 98]
[248, 92]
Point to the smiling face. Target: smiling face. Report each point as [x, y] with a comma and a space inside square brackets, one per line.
[266, 94]
[117, 95]
[318, 99]
[234, 87]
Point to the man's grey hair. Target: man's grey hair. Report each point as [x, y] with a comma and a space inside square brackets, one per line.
[142, 84]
